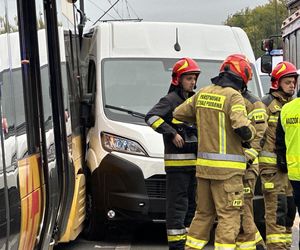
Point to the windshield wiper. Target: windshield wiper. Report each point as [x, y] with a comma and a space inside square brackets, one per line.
[131, 112]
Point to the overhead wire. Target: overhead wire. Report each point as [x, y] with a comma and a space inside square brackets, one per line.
[132, 8]
[114, 9]
[106, 12]
[92, 2]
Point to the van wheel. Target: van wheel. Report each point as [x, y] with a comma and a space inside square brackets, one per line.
[95, 226]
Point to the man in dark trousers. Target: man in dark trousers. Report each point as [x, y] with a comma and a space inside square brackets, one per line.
[180, 141]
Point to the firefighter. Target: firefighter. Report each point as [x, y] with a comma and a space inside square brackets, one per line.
[249, 236]
[220, 113]
[277, 191]
[180, 141]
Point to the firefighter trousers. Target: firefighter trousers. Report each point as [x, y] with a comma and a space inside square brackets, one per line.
[180, 206]
[222, 199]
[249, 236]
[275, 187]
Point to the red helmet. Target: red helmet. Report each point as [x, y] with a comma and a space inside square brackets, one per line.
[183, 66]
[237, 65]
[282, 69]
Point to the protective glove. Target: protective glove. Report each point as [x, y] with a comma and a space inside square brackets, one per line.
[281, 163]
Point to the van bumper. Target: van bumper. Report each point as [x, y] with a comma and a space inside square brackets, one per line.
[120, 186]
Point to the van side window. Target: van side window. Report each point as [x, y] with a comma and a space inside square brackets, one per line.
[91, 88]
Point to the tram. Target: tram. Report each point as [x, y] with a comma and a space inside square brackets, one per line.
[42, 181]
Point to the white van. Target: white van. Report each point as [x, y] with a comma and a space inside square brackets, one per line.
[128, 69]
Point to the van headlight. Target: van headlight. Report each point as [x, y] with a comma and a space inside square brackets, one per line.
[120, 144]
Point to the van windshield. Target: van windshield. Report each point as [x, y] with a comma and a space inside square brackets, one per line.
[138, 84]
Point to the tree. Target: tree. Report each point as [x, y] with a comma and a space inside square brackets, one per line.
[260, 23]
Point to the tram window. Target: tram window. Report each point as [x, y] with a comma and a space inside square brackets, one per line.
[46, 97]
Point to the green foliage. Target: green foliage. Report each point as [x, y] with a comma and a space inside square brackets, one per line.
[260, 23]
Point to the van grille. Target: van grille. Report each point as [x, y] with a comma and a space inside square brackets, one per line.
[156, 186]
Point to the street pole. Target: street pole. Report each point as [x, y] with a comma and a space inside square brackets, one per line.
[276, 17]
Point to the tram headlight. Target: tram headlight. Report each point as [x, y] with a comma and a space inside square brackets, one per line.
[112, 142]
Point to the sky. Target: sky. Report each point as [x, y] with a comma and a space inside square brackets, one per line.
[193, 11]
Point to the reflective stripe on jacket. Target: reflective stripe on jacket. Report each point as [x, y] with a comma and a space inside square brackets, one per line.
[219, 112]
[257, 113]
[160, 118]
[273, 102]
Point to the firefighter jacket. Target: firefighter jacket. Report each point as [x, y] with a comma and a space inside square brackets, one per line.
[257, 114]
[273, 102]
[288, 139]
[222, 124]
[160, 118]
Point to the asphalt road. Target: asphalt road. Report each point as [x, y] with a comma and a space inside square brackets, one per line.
[141, 237]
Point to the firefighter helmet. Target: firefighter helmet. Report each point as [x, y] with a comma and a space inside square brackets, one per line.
[282, 69]
[184, 66]
[239, 66]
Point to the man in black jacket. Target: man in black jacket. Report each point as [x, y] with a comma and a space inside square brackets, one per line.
[180, 141]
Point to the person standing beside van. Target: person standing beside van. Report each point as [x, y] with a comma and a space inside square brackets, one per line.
[180, 141]
[220, 113]
[249, 237]
[277, 190]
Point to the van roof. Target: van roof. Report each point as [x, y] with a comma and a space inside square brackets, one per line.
[157, 39]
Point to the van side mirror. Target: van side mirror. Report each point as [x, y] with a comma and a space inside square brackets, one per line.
[266, 64]
[87, 110]
[267, 45]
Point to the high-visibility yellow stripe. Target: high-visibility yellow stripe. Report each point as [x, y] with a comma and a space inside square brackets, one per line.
[246, 245]
[179, 163]
[221, 164]
[172, 238]
[289, 238]
[257, 113]
[157, 123]
[220, 246]
[252, 151]
[238, 106]
[269, 160]
[277, 238]
[195, 243]
[258, 237]
[222, 133]
[175, 121]
[273, 118]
